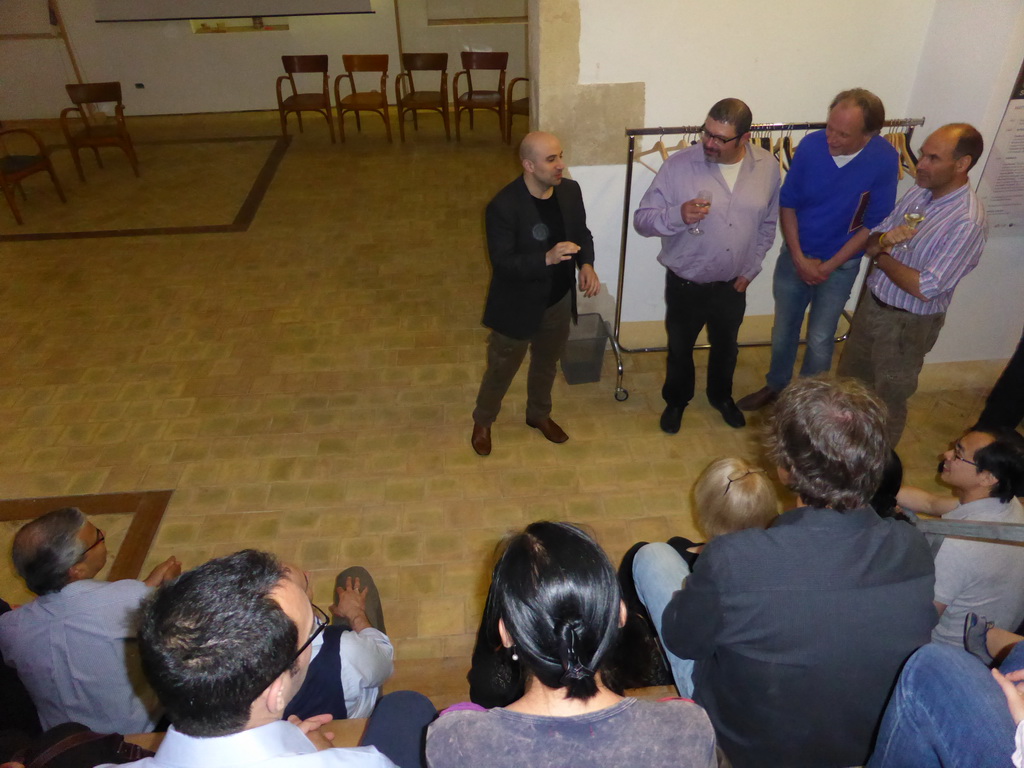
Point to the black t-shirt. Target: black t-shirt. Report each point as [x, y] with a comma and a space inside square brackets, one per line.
[551, 218]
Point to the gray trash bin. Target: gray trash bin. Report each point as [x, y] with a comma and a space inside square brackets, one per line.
[584, 351]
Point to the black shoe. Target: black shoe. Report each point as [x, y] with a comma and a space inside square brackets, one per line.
[671, 418]
[733, 416]
[637, 661]
[682, 545]
[976, 637]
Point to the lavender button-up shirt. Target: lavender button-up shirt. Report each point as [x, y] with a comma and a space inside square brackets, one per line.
[739, 228]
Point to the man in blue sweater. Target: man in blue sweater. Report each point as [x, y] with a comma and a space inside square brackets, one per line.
[842, 183]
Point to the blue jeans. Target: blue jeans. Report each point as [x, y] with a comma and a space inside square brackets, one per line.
[947, 712]
[792, 295]
[658, 572]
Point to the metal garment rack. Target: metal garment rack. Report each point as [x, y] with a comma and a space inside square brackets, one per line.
[621, 393]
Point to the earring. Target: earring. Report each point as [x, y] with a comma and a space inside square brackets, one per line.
[515, 653]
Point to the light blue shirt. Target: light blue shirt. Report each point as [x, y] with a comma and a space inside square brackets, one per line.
[275, 745]
[69, 650]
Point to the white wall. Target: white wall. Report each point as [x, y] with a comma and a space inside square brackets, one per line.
[787, 60]
[185, 73]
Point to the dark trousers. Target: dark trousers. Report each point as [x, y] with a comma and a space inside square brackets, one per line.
[1005, 404]
[398, 728]
[690, 307]
[505, 355]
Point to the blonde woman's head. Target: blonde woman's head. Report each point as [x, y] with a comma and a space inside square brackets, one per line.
[733, 494]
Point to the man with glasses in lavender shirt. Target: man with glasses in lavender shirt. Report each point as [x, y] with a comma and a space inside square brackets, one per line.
[73, 646]
[714, 206]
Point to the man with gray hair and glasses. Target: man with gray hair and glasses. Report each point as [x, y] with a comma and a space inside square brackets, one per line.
[73, 645]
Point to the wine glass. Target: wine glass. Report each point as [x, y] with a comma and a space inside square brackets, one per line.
[913, 217]
[702, 201]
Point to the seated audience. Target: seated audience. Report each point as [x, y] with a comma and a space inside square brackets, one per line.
[948, 711]
[73, 646]
[225, 646]
[556, 604]
[985, 468]
[730, 495]
[792, 637]
[352, 657]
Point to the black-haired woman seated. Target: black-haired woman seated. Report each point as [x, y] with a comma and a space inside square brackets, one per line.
[555, 600]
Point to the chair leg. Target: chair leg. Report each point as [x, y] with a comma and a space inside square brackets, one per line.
[446, 117]
[129, 149]
[401, 122]
[99, 160]
[78, 162]
[341, 124]
[56, 181]
[387, 123]
[284, 122]
[330, 124]
[415, 122]
[359, 124]
[299, 116]
[9, 194]
[458, 124]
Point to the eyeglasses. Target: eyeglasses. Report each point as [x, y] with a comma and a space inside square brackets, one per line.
[958, 455]
[100, 538]
[715, 138]
[738, 477]
[322, 620]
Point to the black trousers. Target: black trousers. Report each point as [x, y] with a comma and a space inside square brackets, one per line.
[689, 308]
[1005, 404]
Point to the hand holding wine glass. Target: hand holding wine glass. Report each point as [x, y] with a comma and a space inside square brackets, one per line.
[703, 202]
[913, 216]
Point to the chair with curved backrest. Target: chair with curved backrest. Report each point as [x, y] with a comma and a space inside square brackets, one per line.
[474, 98]
[94, 134]
[515, 107]
[15, 167]
[363, 101]
[311, 101]
[409, 99]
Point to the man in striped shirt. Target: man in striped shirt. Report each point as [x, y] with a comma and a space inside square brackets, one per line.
[915, 271]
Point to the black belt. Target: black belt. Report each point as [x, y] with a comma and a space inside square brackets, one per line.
[883, 305]
[683, 281]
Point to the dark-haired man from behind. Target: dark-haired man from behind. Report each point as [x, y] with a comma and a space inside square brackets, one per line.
[794, 635]
[985, 468]
[226, 646]
[73, 646]
[916, 270]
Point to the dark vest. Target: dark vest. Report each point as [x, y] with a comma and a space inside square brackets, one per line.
[322, 691]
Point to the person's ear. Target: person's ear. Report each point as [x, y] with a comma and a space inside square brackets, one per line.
[963, 164]
[623, 613]
[77, 571]
[275, 698]
[987, 479]
[784, 475]
[506, 638]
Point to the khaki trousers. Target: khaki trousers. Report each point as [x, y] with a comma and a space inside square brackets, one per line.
[505, 355]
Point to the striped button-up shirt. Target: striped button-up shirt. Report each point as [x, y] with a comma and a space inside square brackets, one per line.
[947, 246]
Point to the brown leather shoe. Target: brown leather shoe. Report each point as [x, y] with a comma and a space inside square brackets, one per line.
[481, 439]
[755, 401]
[550, 430]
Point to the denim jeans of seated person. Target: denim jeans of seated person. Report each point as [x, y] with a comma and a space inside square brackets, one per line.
[947, 711]
[658, 571]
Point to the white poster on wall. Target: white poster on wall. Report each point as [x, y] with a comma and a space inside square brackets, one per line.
[1002, 183]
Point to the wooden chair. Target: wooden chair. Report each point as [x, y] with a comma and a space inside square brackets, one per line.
[515, 107]
[304, 102]
[92, 134]
[14, 168]
[409, 99]
[474, 98]
[363, 101]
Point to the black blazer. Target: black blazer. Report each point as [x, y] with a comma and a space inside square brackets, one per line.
[517, 243]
